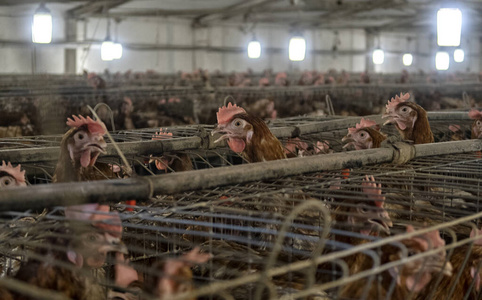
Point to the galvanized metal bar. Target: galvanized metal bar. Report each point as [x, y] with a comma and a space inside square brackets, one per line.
[113, 191]
[195, 142]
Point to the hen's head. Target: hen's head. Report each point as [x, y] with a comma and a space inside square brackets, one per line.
[400, 112]
[176, 274]
[477, 125]
[364, 135]
[85, 140]
[236, 129]
[416, 274]
[10, 176]
[370, 217]
[163, 162]
[98, 233]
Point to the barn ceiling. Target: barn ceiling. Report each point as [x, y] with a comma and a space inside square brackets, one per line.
[332, 14]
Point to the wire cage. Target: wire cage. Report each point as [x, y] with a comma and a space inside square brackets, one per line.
[275, 230]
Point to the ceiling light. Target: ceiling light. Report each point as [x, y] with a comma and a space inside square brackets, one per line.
[449, 26]
[117, 51]
[378, 56]
[407, 59]
[107, 50]
[459, 55]
[254, 49]
[442, 61]
[297, 48]
[42, 25]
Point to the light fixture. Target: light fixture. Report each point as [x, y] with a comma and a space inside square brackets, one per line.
[449, 26]
[117, 47]
[378, 56]
[407, 59]
[442, 61]
[254, 49]
[117, 51]
[107, 50]
[297, 48]
[459, 55]
[42, 25]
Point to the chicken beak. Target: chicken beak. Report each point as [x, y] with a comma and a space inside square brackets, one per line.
[391, 118]
[113, 244]
[436, 264]
[348, 140]
[220, 129]
[382, 222]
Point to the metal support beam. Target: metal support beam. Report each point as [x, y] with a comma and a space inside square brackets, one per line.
[94, 7]
[113, 191]
[194, 143]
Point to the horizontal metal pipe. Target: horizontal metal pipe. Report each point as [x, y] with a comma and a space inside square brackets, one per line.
[113, 191]
[189, 143]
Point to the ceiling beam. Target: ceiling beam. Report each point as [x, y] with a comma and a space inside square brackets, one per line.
[238, 9]
[94, 7]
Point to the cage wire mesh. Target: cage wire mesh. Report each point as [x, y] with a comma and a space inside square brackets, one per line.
[289, 237]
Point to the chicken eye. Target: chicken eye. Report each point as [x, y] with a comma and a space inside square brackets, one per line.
[80, 136]
[478, 123]
[411, 253]
[362, 134]
[237, 123]
[363, 209]
[6, 181]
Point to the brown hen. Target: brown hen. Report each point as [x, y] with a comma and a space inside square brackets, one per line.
[248, 135]
[410, 119]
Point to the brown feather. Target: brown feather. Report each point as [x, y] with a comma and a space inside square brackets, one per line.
[421, 132]
[264, 146]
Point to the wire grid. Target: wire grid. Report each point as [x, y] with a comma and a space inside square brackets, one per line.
[241, 224]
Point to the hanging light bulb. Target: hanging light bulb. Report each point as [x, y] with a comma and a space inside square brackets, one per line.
[117, 47]
[117, 51]
[378, 56]
[449, 26]
[107, 50]
[459, 55]
[297, 48]
[407, 59]
[254, 49]
[42, 25]
[442, 61]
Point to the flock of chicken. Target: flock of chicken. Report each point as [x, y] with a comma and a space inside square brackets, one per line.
[92, 230]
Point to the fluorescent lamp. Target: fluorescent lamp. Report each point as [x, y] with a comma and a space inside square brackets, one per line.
[42, 25]
[449, 26]
[117, 51]
[378, 57]
[107, 51]
[407, 59]
[297, 48]
[254, 49]
[442, 61]
[459, 55]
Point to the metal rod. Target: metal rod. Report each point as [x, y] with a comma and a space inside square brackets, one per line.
[113, 191]
[189, 143]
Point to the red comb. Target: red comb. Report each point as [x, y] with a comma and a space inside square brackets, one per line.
[475, 114]
[397, 100]
[363, 124]
[477, 232]
[162, 135]
[14, 172]
[226, 113]
[93, 126]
